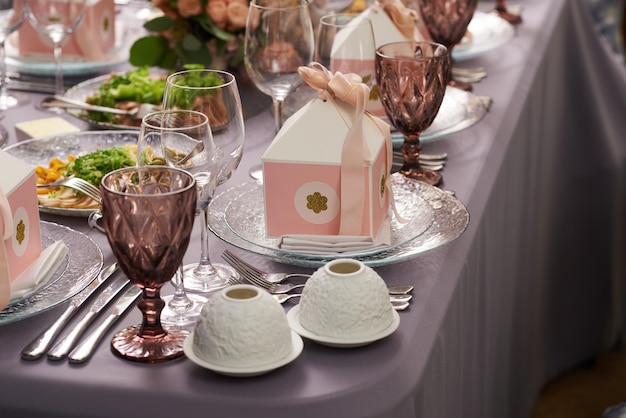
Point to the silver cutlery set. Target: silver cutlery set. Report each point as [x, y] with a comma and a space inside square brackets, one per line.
[99, 294]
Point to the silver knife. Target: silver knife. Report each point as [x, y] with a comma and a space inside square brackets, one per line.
[39, 345]
[63, 347]
[83, 351]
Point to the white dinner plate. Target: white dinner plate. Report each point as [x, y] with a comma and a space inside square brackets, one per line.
[293, 317]
[487, 32]
[39, 151]
[84, 261]
[71, 66]
[296, 348]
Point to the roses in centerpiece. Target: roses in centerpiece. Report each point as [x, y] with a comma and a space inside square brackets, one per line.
[205, 32]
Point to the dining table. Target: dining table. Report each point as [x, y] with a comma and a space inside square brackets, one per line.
[535, 285]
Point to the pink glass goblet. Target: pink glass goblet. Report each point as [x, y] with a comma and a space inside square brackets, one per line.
[504, 13]
[447, 21]
[412, 79]
[148, 215]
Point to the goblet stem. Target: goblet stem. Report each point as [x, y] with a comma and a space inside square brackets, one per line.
[7, 101]
[151, 306]
[180, 301]
[181, 309]
[58, 57]
[411, 167]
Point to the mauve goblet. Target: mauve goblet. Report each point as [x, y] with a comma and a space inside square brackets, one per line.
[447, 21]
[412, 79]
[148, 214]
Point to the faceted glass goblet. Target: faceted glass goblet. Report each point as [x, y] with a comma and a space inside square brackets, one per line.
[148, 215]
[412, 79]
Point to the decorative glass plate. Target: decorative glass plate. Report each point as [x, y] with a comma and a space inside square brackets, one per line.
[245, 216]
[39, 151]
[76, 67]
[459, 110]
[488, 32]
[449, 220]
[84, 261]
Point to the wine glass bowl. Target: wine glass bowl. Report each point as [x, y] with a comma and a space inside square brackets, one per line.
[412, 79]
[56, 20]
[278, 39]
[148, 215]
[12, 15]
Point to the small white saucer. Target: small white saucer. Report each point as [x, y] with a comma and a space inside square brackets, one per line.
[293, 318]
[296, 344]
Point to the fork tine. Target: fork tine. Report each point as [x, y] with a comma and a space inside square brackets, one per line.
[251, 277]
[242, 263]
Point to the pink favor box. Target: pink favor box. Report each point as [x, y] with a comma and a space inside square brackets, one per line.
[93, 38]
[302, 173]
[24, 245]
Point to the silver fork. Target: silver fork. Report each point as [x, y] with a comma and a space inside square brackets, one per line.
[76, 183]
[273, 288]
[271, 278]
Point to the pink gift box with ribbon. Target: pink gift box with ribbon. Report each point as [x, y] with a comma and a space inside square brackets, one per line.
[91, 41]
[326, 171]
[19, 221]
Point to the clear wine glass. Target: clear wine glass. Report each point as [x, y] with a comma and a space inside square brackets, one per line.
[278, 39]
[148, 215]
[447, 22]
[56, 20]
[12, 16]
[179, 139]
[214, 93]
[335, 52]
[412, 79]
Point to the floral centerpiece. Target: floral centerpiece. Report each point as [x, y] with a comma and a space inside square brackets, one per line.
[205, 32]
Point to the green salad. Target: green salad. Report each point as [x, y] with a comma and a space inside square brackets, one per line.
[93, 166]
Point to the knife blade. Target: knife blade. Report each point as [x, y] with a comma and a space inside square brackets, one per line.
[39, 345]
[85, 349]
[63, 347]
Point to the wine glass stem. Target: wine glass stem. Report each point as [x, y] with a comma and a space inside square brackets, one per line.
[411, 149]
[204, 267]
[278, 113]
[179, 302]
[58, 56]
[151, 306]
[3, 73]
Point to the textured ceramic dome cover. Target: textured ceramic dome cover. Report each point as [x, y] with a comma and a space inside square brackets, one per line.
[345, 305]
[242, 332]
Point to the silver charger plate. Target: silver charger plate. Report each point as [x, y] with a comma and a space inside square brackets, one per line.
[246, 218]
[83, 263]
[46, 67]
[488, 32]
[39, 151]
[459, 110]
[449, 220]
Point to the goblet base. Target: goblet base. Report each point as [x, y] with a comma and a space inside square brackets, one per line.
[129, 345]
[183, 316]
[13, 100]
[423, 174]
[217, 278]
[256, 172]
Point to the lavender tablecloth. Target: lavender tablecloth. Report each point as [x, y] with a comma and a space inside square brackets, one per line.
[533, 287]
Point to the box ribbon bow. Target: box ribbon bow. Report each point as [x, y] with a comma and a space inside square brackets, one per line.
[403, 18]
[350, 89]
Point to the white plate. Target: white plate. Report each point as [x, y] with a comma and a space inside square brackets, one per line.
[246, 218]
[293, 317]
[75, 67]
[296, 348]
[450, 219]
[488, 32]
[39, 151]
[84, 261]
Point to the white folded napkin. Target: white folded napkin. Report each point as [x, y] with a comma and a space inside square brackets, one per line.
[40, 271]
[336, 244]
